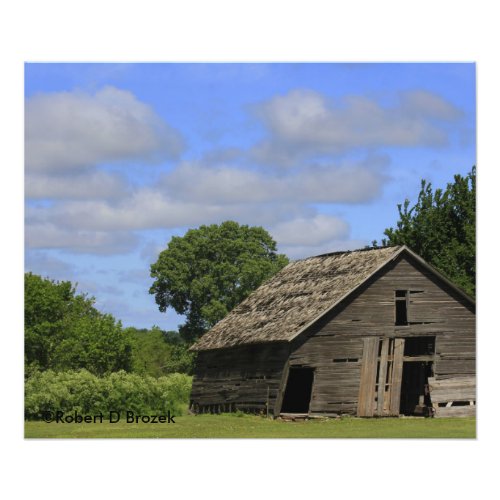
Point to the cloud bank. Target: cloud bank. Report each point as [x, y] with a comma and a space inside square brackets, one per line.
[72, 136]
[328, 183]
[73, 130]
[303, 123]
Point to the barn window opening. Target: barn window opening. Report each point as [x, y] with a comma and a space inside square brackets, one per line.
[401, 301]
[298, 391]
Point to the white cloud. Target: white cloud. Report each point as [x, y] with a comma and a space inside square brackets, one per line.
[310, 231]
[428, 105]
[195, 194]
[69, 134]
[91, 185]
[304, 122]
[313, 235]
[98, 227]
[72, 130]
[47, 235]
[355, 183]
[149, 209]
[303, 251]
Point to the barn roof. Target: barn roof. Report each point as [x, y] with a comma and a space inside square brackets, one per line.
[299, 295]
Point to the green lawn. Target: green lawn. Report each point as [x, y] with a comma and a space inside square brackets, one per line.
[247, 426]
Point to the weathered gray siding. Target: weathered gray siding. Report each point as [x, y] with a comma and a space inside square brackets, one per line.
[334, 345]
[241, 378]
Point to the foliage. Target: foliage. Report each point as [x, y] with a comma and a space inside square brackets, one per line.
[63, 330]
[441, 228]
[88, 394]
[208, 271]
[157, 353]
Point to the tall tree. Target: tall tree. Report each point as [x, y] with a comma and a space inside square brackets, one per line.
[208, 271]
[441, 228]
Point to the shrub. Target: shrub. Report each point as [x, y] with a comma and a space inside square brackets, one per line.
[87, 394]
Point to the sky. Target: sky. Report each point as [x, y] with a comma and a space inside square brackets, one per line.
[121, 157]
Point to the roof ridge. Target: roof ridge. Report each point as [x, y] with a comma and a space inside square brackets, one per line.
[342, 252]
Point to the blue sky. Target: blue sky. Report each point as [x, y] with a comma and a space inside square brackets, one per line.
[120, 157]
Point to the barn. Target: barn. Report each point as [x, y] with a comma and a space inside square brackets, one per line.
[373, 332]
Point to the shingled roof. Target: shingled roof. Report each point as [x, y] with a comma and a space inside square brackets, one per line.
[296, 297]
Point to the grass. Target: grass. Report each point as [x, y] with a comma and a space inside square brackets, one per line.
[247, 426]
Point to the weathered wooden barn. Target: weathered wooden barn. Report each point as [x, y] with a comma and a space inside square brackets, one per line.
[375, 332]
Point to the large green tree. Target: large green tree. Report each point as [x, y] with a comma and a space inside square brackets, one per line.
[209, 270]
[441, 228]
[64, 331]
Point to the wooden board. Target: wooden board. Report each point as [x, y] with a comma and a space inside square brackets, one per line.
[368, 376]
[397, 373]
[454, 389]
[455, 411]
[246, 379]
[382, 373]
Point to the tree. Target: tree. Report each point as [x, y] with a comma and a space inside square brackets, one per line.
[157, 353]
[441, 228]
[208, 271]
[64, 331]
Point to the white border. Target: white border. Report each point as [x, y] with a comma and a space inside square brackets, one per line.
[247, 31]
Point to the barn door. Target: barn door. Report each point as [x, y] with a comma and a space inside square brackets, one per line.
[297, 398]
[381, 371]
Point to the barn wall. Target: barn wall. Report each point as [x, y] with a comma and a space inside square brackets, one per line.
[334, 346]
[243, 378]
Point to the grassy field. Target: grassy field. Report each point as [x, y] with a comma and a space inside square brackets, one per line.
[246, 426]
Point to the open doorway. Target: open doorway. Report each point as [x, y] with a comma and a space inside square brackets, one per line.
[417, 368]
[415, 399]
[298, 390]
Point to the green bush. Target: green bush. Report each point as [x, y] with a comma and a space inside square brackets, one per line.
[87, 394]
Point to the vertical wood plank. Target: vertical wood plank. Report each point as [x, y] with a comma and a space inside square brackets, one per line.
[368, 374]
[281, 389]
[387, 389]
[397, 374]
[381, 376]
[362, 390]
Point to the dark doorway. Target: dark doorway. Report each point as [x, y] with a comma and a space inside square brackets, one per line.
[298, 391]
[417, 368]
[415, 399]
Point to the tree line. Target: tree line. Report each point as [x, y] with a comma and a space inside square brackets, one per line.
[64, 331]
